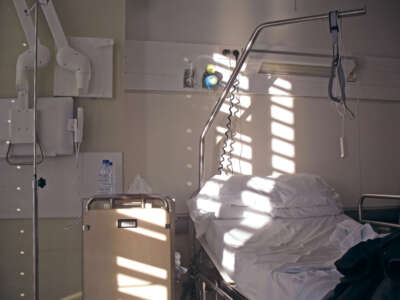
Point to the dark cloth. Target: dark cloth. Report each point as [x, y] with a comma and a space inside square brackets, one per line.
[371, 270]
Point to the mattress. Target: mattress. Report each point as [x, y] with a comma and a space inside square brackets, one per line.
[285, 259]
[275, 237]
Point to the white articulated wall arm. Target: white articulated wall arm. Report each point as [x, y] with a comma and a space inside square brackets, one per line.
[67, 57]
[26, 59]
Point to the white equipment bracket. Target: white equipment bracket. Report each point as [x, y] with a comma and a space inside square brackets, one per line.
[84, 65]
[26, 59]
[100, 52]
[53, 134]
[67, 57]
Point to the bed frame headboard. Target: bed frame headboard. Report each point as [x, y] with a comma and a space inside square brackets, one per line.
[240, 62]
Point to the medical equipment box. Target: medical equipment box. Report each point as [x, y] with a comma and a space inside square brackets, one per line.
[128, 243]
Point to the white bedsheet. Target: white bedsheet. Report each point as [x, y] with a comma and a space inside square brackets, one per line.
[276, 237]
[285, 258]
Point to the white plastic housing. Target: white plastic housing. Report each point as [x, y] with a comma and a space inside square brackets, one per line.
[77, 63]
[99, 51]
[21, 126]
[53, 132]
[26, 59]
[25, 64]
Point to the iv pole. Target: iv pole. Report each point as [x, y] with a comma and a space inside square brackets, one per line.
[35, 225]
[236, 70]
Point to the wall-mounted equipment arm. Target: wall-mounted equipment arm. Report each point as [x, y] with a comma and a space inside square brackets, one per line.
[238, 67]
[67, 57]
[25, 61]
[26, 21]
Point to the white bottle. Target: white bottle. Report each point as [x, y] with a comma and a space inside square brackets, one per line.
[104, 186]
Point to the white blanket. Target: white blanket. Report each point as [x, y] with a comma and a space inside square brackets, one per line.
[285, 259]
[276, 237]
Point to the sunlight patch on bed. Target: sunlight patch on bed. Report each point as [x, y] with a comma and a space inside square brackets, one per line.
[208, 206]
[236, 237]
[255, 220]
[223, 177]
[211, 189]
[276, 174]
[267, 184]
[256, 201]
[228, 260]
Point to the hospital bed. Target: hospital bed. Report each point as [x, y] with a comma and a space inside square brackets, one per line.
[267, 238]
[271, 237]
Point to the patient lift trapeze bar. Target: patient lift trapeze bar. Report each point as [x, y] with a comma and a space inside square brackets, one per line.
[242, 59]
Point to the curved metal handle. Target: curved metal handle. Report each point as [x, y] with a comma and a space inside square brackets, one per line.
[239, 64]
[375, 196]
[166, 201]
[22, 163]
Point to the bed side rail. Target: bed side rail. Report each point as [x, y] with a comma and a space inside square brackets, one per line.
[214, 286]
[376, 196]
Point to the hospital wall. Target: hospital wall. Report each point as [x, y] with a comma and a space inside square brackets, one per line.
[158, 132]
[371, 163]
[60, 249]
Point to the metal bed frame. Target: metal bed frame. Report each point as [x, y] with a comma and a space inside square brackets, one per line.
[224, 290]
[239, 64]
[374, 222]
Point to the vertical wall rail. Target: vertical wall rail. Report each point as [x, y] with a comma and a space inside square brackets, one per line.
[242, 59]
[35, 225]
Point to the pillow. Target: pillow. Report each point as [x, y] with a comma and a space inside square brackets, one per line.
[307, 212]
[202, 210]
[242, 190]
[287, 196]
[201, 206]
[305, 190]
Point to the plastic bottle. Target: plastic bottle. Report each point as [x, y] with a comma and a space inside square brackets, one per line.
[104, 178]
[111, 177]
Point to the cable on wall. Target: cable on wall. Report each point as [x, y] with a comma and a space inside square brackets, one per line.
[229, 141]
